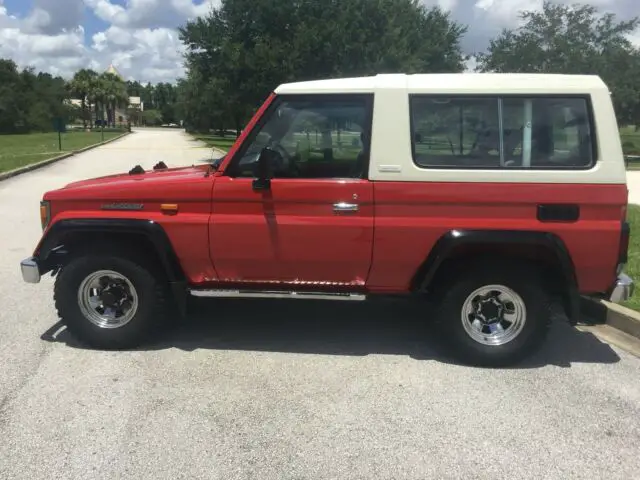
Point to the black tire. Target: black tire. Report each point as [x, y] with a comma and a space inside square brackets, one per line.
[151, 291]
[523, 280]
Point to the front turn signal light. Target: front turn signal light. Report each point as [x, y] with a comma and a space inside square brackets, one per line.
[45, 213]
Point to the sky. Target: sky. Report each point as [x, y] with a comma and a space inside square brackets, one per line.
[140, 39]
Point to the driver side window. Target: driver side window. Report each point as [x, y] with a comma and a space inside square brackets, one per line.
[314, 136]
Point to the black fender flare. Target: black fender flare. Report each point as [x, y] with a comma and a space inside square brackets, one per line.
[51, 245]
[453, 239]
[153, 231]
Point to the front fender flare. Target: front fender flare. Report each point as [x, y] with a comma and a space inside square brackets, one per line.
[55, 237]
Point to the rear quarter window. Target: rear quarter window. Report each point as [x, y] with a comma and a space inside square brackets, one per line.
[492, 132]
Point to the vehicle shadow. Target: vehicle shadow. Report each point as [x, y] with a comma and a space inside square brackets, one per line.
[391, 327]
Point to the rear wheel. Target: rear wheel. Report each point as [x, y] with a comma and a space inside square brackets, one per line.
[109, 301]
[495, 316]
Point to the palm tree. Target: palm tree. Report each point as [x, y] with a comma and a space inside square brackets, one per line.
[81, 86]
[115, 95]
[97, 94]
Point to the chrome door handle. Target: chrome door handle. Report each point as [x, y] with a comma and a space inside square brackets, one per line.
[344, 207]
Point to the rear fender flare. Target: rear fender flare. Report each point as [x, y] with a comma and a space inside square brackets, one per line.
[454, 239]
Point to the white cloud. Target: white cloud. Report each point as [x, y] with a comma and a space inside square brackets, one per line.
[142, 42]
[485, 18]
[42, 40]
[53, 16]
[144, 54]
[149, 13]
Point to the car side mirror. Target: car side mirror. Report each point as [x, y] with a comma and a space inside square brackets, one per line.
[264, 169]
[216, 163]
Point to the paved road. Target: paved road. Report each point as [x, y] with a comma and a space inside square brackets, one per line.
[271, 390]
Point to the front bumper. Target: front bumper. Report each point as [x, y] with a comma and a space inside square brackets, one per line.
[30, 270]
[622, 290]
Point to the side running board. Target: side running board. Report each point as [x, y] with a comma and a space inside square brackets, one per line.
[277, 294]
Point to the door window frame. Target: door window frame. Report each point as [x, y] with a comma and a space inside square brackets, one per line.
[331, 97]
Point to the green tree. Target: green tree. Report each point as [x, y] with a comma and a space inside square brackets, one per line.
[96, 97]
[134, 89]
[114, 95]
[573, 39]
[30, 101]
[152, 117]
[80, 87]
[12, 111]
[243, 49]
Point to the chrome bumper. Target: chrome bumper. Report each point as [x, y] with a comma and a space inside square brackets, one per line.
[622, 289]
[30, 270]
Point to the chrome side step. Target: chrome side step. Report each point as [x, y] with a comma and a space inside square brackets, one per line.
[277, 294]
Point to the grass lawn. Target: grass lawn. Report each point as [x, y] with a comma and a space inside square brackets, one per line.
[222, 143]
[631, 145]
[629, 136]
[225, 143]
[633, 265]
[630, 140]
[20, 150]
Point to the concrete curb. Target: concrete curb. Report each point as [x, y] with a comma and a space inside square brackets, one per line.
[49, 161]
[623, 318]
[612, 314]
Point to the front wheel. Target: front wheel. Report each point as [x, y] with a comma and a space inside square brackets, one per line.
[494, 316]
[108, 301]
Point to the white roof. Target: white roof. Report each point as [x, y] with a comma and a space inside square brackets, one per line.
[452, 83]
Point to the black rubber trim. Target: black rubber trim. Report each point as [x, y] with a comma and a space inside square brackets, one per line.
[455, 238]
[625, 231]
[59, 231]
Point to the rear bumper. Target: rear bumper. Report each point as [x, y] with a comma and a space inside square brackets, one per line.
[30, 270]
[622, 289]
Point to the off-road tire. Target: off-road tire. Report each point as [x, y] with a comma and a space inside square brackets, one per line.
[522, 279]
[152, 301]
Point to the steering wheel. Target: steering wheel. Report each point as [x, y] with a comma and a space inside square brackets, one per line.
[288, 164]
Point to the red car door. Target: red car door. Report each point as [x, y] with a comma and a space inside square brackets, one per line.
[314, 224]
[299, 231]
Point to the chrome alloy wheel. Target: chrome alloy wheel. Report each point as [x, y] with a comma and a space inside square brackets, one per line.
[107, 299]
[493, 315]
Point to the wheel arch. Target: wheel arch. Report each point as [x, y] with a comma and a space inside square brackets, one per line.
[545, 250]
[144, 236]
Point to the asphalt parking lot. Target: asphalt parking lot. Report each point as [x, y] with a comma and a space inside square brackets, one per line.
[272, 389]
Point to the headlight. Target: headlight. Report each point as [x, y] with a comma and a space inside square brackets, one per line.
[45, 213]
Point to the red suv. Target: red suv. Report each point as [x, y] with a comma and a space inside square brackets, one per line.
[494, 195]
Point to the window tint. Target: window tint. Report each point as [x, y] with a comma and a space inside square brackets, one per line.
[510, 132]
[324, 136]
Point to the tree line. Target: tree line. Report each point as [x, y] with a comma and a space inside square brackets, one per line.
[39, 102]
[29, 101]
[243, 49]
[160, 103]
[238, 53]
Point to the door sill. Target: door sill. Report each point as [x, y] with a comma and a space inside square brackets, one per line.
[217, 293]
